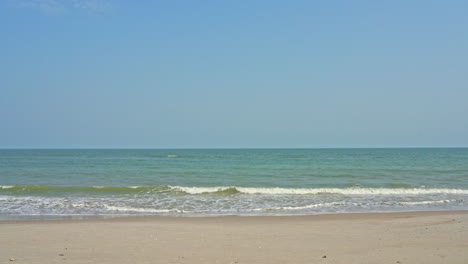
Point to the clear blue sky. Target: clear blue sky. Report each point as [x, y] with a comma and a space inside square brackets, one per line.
[213, 74]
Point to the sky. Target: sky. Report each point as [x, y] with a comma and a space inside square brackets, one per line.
[233, 74]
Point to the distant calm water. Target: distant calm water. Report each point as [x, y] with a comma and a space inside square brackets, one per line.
[230, 182]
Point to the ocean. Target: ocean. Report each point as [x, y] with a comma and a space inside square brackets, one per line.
[42, 184]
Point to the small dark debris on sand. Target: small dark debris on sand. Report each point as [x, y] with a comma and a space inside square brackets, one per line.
[61, 255]
[324, 256]
[12, 259]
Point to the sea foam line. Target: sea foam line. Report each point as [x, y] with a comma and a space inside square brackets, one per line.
[430, 202]
[140, 210]
[229, 190]
[303, 191]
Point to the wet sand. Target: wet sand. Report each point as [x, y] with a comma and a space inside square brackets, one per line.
[412, 237]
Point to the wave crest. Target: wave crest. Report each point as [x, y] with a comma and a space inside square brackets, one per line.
[305, 191]
[223, 190]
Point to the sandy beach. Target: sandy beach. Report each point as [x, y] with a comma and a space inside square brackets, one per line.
[410, 237]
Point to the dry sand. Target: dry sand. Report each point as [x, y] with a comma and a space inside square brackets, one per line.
[416, 237]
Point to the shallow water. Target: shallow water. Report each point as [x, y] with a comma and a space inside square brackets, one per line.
[230, 182]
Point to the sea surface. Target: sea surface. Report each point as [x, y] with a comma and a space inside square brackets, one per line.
[212, 182]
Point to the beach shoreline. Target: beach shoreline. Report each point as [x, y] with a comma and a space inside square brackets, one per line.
[388, 237]
[10, 219]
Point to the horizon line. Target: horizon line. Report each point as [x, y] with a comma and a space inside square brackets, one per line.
[233, 148]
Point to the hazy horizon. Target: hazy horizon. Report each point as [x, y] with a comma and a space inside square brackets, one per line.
[232, 148]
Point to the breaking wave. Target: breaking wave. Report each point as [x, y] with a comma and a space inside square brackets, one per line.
[305, 191]
[221, 190]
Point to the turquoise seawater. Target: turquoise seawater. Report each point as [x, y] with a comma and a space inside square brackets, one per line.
[200, 182]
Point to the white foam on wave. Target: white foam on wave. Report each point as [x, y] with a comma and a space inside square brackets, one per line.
[199, 190]
[139, 210]
[428, 202]
[292, 208]
[6, 186]
[303, 191]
